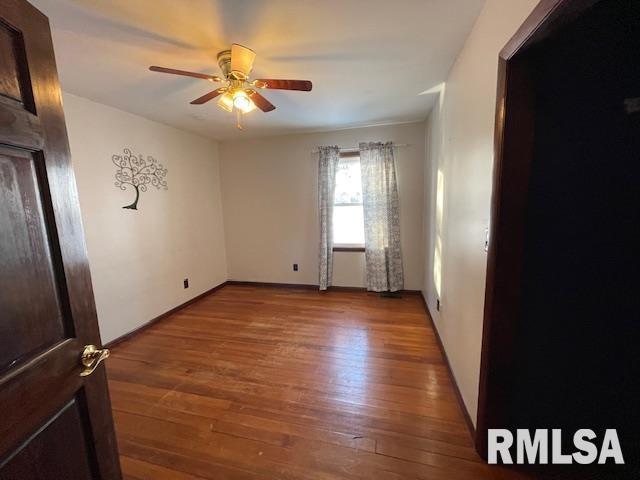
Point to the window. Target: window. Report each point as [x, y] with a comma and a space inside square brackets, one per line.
[348, 218]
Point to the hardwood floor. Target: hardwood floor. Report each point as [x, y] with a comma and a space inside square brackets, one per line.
[265, 383]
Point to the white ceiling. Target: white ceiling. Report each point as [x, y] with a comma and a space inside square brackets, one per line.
[368, 59]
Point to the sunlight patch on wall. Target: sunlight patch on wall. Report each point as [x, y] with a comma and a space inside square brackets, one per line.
[437, 254]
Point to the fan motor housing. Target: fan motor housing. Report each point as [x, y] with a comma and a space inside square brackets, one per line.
[224, 61]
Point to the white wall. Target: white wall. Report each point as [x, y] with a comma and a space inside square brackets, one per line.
[139, 258]
[460, 151]
[269, 192]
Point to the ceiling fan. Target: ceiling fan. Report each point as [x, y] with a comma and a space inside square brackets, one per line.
[238, 92]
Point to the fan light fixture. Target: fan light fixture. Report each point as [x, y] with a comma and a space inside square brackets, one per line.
[226, 102]
[242, 101]
[239, 99]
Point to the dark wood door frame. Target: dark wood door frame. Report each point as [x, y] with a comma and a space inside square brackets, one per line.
[513, 154]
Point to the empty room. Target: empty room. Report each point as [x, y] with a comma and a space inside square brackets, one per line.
[319, 240]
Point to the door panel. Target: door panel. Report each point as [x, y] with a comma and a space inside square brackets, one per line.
[27, 261]
[38, 458]
[34, 391]
[9, 81]
[54, 424]
[14, 81]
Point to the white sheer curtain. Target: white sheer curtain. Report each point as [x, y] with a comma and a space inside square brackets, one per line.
[327, 167]
[381, 218]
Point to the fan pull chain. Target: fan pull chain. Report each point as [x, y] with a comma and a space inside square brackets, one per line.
[238, 118]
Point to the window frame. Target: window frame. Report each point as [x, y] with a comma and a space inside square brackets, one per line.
[348, 247]
[344, 248]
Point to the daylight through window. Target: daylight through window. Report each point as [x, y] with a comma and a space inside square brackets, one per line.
[348, 220]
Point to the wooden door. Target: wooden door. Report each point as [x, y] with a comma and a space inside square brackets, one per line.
[54, 423]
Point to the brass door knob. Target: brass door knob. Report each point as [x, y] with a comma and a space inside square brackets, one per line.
[91, 358]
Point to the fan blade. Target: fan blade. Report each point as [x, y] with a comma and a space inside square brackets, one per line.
[212, 78]
[304, 85]
[209, 96]
[242, 59]
[261, 102]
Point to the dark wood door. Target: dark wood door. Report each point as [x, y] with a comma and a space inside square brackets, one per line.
[54, 423]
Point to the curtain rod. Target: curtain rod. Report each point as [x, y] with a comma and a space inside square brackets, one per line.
[355, 149]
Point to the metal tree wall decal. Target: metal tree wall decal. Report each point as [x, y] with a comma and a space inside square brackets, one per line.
[137, 172]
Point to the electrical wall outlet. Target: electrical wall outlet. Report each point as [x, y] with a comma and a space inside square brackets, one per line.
[295, 267]
[186, 283]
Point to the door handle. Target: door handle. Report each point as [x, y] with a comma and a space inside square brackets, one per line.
[91, 358]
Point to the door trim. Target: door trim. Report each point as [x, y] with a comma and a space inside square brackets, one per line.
[513, 155]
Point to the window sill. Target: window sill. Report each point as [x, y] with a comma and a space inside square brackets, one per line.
[348, 249]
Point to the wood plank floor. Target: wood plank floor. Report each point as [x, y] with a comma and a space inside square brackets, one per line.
[272, 383]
